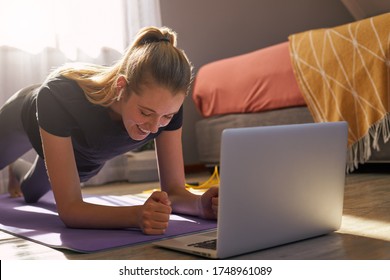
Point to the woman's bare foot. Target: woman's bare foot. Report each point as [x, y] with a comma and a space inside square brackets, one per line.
[14, 189]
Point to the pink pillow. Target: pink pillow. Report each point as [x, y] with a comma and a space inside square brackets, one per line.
[253, 82]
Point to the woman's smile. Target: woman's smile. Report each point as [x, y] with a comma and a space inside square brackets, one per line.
[143, 131]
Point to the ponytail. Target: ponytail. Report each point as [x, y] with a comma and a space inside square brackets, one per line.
[152, 58]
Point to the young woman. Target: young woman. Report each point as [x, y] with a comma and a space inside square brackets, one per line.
[83, 115]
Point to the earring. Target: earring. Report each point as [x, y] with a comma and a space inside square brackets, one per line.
[119, 96]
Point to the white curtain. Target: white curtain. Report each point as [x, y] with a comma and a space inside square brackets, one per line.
[39, 35]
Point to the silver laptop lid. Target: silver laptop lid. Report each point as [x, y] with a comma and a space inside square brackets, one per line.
[280, 184]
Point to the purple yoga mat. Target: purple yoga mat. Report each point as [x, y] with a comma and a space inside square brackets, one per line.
[39, 222]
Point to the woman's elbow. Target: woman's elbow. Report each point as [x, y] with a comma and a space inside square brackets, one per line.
[69, 219]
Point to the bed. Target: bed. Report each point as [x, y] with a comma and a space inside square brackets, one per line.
[333, 74]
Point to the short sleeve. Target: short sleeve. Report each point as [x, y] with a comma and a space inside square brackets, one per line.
[177, 120]
[51, 115]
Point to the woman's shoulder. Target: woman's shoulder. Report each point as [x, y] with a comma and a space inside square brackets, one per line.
[63, 90]
[59, 84]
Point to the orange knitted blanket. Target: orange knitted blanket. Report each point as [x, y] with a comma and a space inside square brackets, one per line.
[343, 73]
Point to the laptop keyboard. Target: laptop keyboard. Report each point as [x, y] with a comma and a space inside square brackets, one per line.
[208, 244]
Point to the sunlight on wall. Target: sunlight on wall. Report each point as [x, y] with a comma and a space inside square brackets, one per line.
[70, 26]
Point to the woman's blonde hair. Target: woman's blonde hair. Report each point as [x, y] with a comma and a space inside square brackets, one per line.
[152, 58]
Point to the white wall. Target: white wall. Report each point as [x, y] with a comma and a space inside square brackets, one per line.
[213, 29]
[366, 8]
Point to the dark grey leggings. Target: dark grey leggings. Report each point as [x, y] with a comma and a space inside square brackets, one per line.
[14, 143]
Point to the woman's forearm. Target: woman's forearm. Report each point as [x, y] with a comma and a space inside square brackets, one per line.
[87, 215]
[184, 202]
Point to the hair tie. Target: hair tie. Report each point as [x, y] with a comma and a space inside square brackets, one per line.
[165, 40]
[155, 40]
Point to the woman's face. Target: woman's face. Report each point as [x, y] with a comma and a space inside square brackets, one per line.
[149, 110]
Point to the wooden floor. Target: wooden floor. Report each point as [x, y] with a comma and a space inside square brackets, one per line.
[364, 234]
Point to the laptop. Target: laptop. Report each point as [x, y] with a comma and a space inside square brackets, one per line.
[278, 184]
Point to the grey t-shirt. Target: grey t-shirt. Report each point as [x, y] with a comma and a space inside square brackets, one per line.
[60, 107]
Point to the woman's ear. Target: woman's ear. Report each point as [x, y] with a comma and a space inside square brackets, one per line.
[121, 83]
